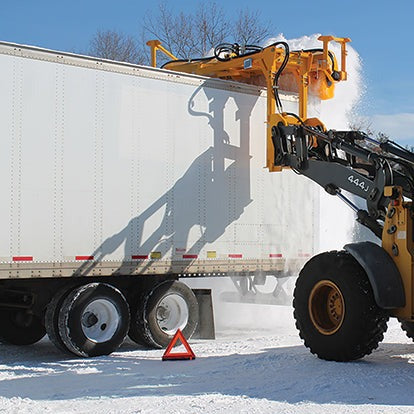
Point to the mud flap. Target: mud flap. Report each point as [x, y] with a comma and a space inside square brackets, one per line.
[205, 328]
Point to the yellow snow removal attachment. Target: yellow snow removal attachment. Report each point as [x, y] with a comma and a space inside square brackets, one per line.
[275, 67]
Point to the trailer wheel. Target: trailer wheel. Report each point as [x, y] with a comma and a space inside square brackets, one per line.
[335, 310]
[408, 327]
[19, 327]
[169, 306]
[52, 318]
[93, 320]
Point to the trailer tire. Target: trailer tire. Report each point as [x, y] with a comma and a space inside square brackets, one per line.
[408, 328]
[52, 319]
[335, 310]
[93, 320]
[18, 327]
[169, 306]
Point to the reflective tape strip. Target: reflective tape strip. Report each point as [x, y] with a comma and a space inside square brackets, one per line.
[22, 258]
[275, 255]
[235, 256]
[190, 256]
[83, 257]
[139, 257]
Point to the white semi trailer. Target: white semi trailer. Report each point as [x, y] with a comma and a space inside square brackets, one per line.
[118, 180]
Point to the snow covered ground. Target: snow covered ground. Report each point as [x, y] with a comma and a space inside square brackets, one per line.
[245, 370]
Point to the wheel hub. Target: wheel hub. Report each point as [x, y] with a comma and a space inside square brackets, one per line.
[89, 319]
[172, 313]
[326, 307]
[100, 320]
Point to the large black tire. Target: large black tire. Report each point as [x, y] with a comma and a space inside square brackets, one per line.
[93, 320]
[52, 318]
[408, 327]
[19, 327]
[335, 310]
[169, 306]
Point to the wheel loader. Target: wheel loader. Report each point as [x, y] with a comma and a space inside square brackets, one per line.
[342, 299]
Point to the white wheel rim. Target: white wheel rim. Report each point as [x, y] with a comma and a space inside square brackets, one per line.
[172, 313]
[100, 320]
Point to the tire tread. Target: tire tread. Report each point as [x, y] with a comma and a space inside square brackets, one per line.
[365, 335]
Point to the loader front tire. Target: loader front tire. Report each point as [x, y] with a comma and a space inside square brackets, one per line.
[335, 310]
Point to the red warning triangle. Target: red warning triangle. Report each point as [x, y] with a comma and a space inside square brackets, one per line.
[168, 355]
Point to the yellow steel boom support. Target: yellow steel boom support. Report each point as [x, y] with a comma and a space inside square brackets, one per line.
[313, 71]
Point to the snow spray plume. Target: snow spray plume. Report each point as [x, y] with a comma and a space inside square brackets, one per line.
[336, 220]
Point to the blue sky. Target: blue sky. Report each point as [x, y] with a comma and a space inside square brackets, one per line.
[381, 31]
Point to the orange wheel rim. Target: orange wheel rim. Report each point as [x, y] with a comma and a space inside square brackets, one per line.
[326, 307]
